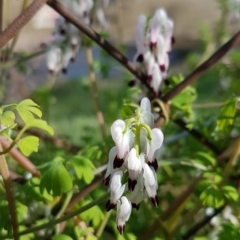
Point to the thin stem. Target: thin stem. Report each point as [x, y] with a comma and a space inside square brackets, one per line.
[103, 224]
[20, 21]
[9, 193]
[234, 41]
[188, 217]
[208, 105]
[67, 216]
[94, 90]
[62, 210]
[200, 224]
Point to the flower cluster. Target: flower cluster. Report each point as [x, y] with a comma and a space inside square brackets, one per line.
[66, 39]
[134, 157]
[154, 39]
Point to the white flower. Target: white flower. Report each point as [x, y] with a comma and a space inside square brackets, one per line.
[116, 189]
[124, 210]
[156, 79]
[123, 141]
[146, 114]
[54, 60]
[138, 194]
[150, 183]
[134, 166]
[154, 145]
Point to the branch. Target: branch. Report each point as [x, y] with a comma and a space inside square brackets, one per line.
[20, 21]
[199, 136]
[110, 49]
[58, 142]
[234, 41]
[200, 224]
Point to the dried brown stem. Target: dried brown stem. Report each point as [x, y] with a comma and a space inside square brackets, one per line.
[20, 21]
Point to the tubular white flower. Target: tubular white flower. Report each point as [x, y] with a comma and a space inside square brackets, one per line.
[150, 183]
[134, 166]
[111, 156]
[54, 59]
[156, 79]
[146, 114]
[154, 145]
[116, 189]
[138, 194]
[124, 210]
[123, 141]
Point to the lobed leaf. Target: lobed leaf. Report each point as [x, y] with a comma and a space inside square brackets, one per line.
[28, 144]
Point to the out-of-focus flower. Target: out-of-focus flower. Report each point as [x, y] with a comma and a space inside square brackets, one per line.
[154, 39]
[65, 42]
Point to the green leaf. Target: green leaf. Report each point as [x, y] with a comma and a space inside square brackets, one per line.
[7, 118]
[93, 214]
[212, 197]
[38, 123]
[83, 168]
[229, 231]
[206, 159]
[29, 144]
[230, 193]
[56, 179]
[27, 108]
[227, 114]
[62, 237]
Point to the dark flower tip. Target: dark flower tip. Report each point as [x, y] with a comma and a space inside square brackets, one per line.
[106, 181]
[162, 67]
[72, 59]
[131, 184]
[154, 164]
[50, 71]
[149, 78]
[132, 83]
[62, 31]
[154, 200]
[140, 58]
[110, 205]
[118, 162]
[173, 40]
[64, 70]
[152, 45]
[136, 206]
[121, 229]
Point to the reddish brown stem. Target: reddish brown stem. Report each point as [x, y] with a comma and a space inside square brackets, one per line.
[20, 21]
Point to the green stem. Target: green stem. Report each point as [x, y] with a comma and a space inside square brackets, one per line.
[62, 210]
[94, 90]
[68, 216]
[14, 141]
[103, 224]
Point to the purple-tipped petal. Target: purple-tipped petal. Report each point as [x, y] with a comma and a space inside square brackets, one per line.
[117, 163]
[136, 206]
[110, 205]
[154, 200]
[154, 164]
[106, 180]
[132, 184]
[140, 58]
[121, 229]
